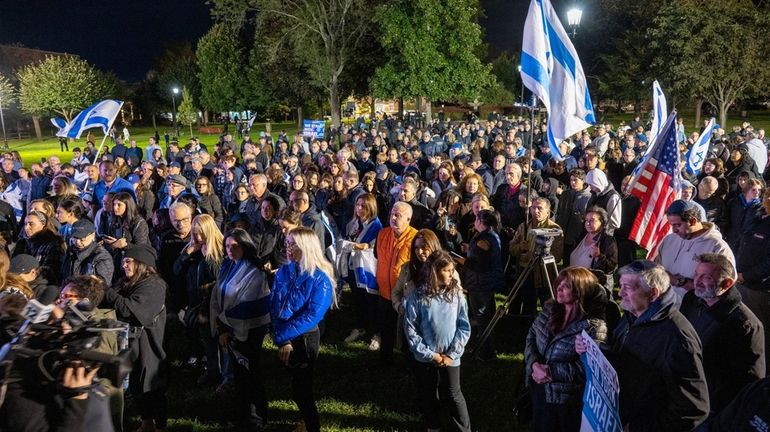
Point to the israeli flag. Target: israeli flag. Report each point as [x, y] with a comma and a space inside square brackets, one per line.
[659, 113]
[251, 121]
[697, 154]
[101, 114]
[551, 69]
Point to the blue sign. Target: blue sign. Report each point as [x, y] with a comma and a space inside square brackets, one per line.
[313, 128]
[600, 399]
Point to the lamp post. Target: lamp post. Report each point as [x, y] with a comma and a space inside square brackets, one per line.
[522, 86]
[2, 120]
[573, 19]
[174, 92]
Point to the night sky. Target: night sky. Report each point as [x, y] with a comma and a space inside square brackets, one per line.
[124, 37]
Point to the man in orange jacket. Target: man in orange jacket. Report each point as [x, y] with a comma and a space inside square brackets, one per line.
[394, 246]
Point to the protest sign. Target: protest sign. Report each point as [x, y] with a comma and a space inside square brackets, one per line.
[313, 128]
[600, 399]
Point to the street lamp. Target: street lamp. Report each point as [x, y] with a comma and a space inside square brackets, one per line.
[174, 92]
[573, 18]
[522, 86]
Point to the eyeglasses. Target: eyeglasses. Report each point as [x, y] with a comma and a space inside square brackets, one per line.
[178, 221]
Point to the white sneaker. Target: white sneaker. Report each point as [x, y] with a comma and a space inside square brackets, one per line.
[374, 345]
[355, 334]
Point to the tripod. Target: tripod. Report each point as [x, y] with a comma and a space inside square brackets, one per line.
[550, 271]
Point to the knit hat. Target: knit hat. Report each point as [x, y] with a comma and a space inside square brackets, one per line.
[142, 253]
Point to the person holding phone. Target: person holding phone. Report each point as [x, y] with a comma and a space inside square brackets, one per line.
[126, 228]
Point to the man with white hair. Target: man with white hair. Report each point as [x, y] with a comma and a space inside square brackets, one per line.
[657, 355]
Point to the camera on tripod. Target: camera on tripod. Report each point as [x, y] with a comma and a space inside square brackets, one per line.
[542, 239]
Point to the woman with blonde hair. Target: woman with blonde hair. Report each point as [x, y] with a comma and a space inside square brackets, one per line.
[61, 187]
[302, 293]
[199, 264]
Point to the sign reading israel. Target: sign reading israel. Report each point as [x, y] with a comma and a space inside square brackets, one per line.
[600, 399]
[313, 128]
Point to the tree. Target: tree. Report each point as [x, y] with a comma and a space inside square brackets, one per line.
[7, 91]
[720, 59]
[324, 34]
[431, 47]
[219, 54]
[176, 66]
[187, 114]
[63, 85]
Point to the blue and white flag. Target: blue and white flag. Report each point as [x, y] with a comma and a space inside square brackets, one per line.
[101, 114]
[659, 112]
[551, 69]
[697, 154]
[251, 121]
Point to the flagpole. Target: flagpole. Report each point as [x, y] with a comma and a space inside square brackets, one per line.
[529, 155]
[99, 150]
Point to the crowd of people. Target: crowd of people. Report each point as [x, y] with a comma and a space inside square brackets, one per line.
[423, 224]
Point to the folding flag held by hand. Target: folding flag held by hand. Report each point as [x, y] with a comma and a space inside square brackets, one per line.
[101, 114]
[551, 69]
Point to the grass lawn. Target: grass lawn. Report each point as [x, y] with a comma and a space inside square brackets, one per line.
[32, 150]
[353, 395]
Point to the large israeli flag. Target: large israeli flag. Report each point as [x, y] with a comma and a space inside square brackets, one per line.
[697, 154]
[101, 114]
[551, 69]
[659, 113]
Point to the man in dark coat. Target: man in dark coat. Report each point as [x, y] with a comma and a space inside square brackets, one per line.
[732, 336]
[748, 412]
[421, 214]
[85, 256]
[171, 245]
[657, 355]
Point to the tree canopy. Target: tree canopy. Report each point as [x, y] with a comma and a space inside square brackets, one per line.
[187, 113]
[219, 55]
[431, 47]
[63, 85]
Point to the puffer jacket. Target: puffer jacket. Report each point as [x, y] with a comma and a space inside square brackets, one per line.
[558, 352]
[483, 269]
[93, 260]
[298, 301]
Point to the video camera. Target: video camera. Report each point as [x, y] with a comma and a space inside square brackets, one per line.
[542, 240]
[49, 349]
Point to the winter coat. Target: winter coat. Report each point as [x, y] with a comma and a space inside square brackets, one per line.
[200, 276]
[48, 247]
[483, 268]
[93, 260]
[569, 216]
[748, 412]
[727, 327]
[741, 218]
[658, 358]
[143, 306]
[753, 259]
[558, 352]
[716, 211]
[392, 253]
[210, 205]
[298, 301]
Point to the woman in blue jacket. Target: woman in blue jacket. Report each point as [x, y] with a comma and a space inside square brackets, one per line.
[302, 293]
[437, 330]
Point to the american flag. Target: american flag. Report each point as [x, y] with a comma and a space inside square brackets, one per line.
[657, 185]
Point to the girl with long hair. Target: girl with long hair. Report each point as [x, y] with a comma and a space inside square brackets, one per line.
[362, 230]
[139, 299]
[125, 229]
[70, 210]
[302, 293]
[199, 264]
[554, 370]
[240, 320]
[437, 329]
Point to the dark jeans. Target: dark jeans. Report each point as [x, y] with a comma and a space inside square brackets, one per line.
[366, 309]
[437, 385]
[301, 365]
[481, 309]
[525, 302]
[550, 417]
[249, 388]
[388, 324]
[153, 405]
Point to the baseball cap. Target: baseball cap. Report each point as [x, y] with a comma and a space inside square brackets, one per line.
[175, 164]
[23, 263]
[82, 228]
